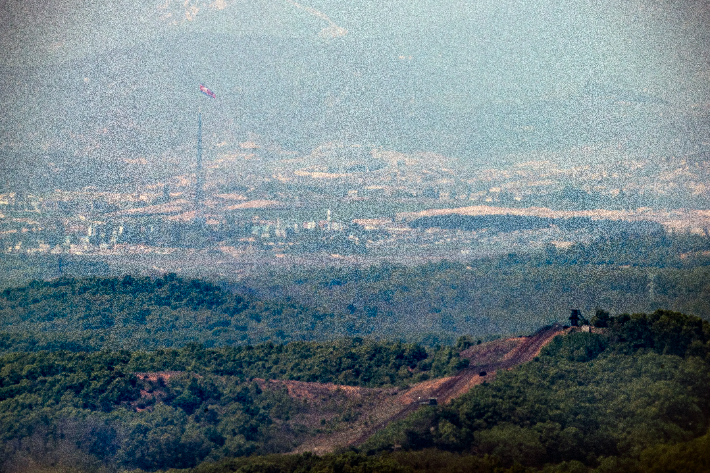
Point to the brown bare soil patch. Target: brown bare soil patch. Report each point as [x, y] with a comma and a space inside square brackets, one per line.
[155, 376]
[424, 390]
[370, 411]
[153, 388]
[491, 352]
[315, 391]
[378, 411]
[500, 354]
[344, 416]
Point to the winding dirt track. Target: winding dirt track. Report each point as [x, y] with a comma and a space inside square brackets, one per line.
[526, 351]
[444, 390]
[455, 386]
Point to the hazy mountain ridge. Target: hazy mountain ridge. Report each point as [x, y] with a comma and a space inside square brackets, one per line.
[431, 304]
[141, 102]
[110, 313]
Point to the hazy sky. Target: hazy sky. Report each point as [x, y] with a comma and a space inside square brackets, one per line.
[94, 78]
[499, 49]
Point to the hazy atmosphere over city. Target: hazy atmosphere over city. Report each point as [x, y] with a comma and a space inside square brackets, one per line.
[372, 235]
[103, 84]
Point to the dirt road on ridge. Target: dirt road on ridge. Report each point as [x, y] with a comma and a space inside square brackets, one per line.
[455, 386]
[469, 377]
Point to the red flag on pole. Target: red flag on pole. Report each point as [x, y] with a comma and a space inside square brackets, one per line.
[207, 91]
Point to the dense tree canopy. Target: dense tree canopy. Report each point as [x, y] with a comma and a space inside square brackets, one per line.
[177, 407]
[643, 382]
[143, 313]
[430, 304]
[518, 292]
[632, 397]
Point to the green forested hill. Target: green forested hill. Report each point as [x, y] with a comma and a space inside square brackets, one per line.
[634, 397]
[176, 408]
[592, 400]
[508, 294]
[431, 304]
[142, 313]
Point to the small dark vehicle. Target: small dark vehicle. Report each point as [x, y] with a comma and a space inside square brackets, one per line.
[482, 373]
[427, 402]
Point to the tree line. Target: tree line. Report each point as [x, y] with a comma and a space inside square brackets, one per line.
[178, 407]
[601, 401]
[633, 396]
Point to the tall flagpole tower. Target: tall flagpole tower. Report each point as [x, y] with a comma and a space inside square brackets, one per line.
[199, 214]
[199, 186]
